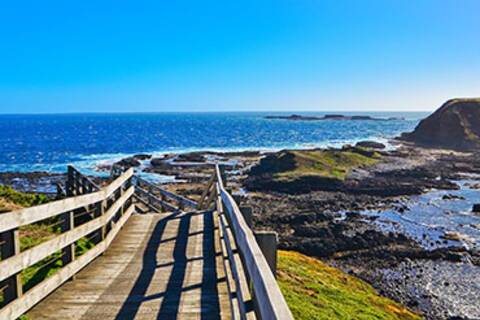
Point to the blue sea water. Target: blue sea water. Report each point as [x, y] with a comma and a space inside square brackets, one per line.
[50, 142]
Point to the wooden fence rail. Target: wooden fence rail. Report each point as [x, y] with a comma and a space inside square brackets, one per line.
[98, 214]
[252, 267]
[78, 183]
[181, 202]
[153, 201]
[108, 209]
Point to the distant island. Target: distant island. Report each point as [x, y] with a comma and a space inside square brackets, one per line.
[296, 117]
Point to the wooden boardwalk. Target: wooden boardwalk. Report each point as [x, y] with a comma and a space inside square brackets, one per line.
[201, 264]
[160, 266]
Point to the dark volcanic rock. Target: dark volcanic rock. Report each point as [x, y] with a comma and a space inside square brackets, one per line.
[476, 207]
[293, 117]
[128, 162]
[142, 156]
[452, 197]
[370, 144]
[190, 157]
[157, 162]
[296, 117]
[133, 161]
[160, 164]
[456, 125]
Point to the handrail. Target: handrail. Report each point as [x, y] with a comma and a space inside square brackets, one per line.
[14, 264]
[144, 202]
[78, 183]
[21, 217]
[111, 207]
[183, 201]
[269, 300]
[164, 204]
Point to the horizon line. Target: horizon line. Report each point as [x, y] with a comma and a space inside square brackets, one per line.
[206, 112]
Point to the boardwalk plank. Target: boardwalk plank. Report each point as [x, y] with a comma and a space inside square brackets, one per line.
[160, 266]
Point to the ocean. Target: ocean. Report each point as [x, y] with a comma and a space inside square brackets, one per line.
[51, 142]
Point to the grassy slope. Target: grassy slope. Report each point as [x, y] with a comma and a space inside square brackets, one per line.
[20, 199]
[316, 291]
[7, 205]
[34, 234]
[325, 163]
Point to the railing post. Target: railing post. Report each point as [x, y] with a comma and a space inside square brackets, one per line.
[237, 198]
[223, 175]
[70, 181]
[11, 246]
[102, 232]
[247, 213]
[68, 253]
[210, 185]
[162, 198]
[267, 241]
[122, 208]
[210, 199]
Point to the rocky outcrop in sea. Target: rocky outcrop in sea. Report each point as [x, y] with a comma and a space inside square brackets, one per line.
[455, 125]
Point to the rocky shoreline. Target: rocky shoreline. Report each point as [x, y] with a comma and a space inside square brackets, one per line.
[330, 223]
[405, 219]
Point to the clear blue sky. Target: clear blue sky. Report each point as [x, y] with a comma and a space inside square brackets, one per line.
[105, 56]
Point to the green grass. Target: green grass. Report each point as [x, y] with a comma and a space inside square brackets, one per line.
[315, 291]
[34, 234]
[325, 163]
[20, 198]
[82, 246]
[36, 273]
[456, 100]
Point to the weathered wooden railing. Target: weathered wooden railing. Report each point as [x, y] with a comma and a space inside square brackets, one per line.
[158, 197]
[154, 197]
[96, 216]
[249, 275]
[77, 183]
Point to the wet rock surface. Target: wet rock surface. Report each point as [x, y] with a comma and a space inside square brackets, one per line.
[41, 182]
[407, 171]
[190, 157]
[371, 144]
[331, 226]
[329, 222]
[328, 219]
[440, 289]
[128, 162]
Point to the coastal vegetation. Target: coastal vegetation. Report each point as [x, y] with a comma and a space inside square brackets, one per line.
[290, 165]
[11, 199]
[35, 234]
[334, 164]
[298, 171]
[315, 291]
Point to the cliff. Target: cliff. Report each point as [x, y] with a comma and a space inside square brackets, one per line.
[455, 125]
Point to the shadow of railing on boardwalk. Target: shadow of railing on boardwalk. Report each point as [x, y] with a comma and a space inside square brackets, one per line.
[131, 306]
[170, 305]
